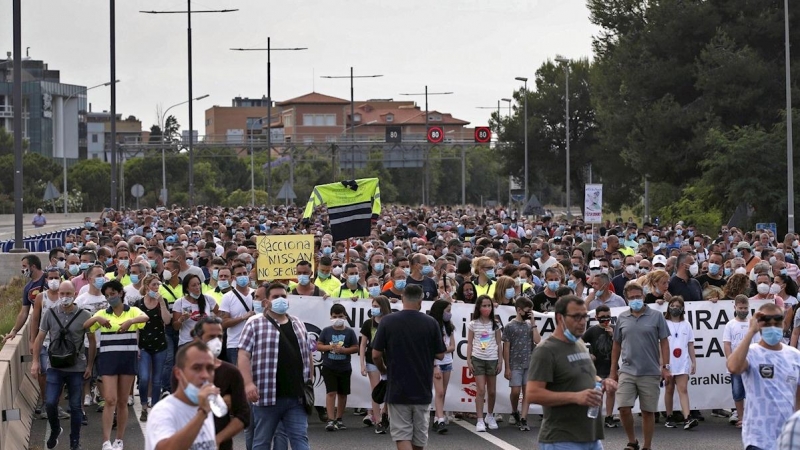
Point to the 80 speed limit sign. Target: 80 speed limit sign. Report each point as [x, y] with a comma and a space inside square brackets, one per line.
[435, 135]
[483, 135]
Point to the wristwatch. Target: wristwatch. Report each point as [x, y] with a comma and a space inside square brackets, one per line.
[665, 367]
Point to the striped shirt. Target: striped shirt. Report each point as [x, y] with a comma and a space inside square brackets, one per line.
[111, 340]
[260, 339]
[790, 435]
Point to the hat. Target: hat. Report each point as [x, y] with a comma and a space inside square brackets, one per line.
[594, 264]
[742, 245]
[660, 259]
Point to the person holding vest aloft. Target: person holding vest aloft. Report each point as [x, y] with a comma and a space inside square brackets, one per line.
[350, 288]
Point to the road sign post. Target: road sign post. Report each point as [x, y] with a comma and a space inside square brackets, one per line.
[137, 190]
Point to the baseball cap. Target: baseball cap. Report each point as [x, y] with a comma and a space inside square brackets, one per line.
[660, 259]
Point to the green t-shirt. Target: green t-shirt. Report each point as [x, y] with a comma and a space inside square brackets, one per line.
[565, 367]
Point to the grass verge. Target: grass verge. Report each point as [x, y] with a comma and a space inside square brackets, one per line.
[10, 304]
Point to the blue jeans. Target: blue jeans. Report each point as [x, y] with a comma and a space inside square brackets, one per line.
[169, 362]
[737, 388]
[287, 411]
[753, 447]
[596, 445]
[150, 362]
[279, 442]
[55, 381]
[233, 355]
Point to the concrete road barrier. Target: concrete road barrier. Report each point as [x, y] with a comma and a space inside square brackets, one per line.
[18, 393]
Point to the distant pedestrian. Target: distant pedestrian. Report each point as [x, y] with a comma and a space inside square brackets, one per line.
[39, 220]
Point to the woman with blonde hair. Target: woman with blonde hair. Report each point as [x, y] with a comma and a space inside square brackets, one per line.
[655, 287]
[483, 270]
[505, 291]
[738, 284]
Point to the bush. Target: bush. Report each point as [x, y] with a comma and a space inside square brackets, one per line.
[10, 304]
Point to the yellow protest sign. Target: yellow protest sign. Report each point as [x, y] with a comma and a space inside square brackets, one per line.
[278, 255]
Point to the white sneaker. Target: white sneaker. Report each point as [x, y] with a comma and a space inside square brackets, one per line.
[734, 417]
[87, 400]
[491, 422]
[480, 426]
[130, 400]
[498, 417]
[107, 445]
[117, 445]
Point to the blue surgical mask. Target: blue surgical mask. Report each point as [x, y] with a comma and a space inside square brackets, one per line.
[509, 293]
[654, 238]
[568, 334]
[374, 291]
[490, 274]
[74, 269]
[352, 279]
[728, 271]
[258, 307]
[68, 246]
[772, 335]
[304, 279]
[134, 278]
[642, 241]
[280, 305]
[322, 275]
[326, 250]
[242, 280]
[99, 282]
[537, 254]
[153, 263]
[572, 284]
[148, 235]
[123, 263]
[466, 251]
[407, 271]
[88, 224]
[109, 261]
[492, 232]
[192, 393]
[152, 294]
[616, 263]
[784, 272]
[427, 270]
[215, 274]
[604, 245]
[375, 312]
[553, 285]
[636, 305]
[378, 267]
[516, 262]
[599, 293]
[224, 284]
[194, 296]
[400, 284]
[84, 266]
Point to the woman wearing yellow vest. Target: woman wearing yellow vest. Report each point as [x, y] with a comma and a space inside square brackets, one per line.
[483, 268]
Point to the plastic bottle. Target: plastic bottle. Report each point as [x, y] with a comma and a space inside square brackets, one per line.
[593, 411]
[218, 406]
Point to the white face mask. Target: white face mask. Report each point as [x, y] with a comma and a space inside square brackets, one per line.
[774, 288]
[763, 288]
[693, 269]
[336, 271]
[53, 284]
[338, 323]
[740, 270]
[215, 345]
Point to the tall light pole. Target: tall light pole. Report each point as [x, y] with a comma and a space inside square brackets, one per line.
[19, 245]
[425, 184]
[789, 144]
[525, 130]
[63, 135]
[113, 67]
[566, 62]
[189, 13]
[163, 144]
[269, 51]
[352, 116]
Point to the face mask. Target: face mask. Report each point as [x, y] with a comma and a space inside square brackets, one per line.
[509, 293]
[636, 305]
[378, 267]
[61, 264]
[757, 253]
[492, 232]
[215, 274]
[84, 266]
[337, 323]
[616, 263]
[215, 345]
[53, 284]
[148, 235]
[675, 312]
[74, 269]
[352, 279]
[375, 312]
[167, 275]
[189, 262]
[490, 274]
[604, 245]
[537, 254]
[693, 269]
[553, 285]
[242, 280]
[774, 288]
[304, 279]
[763, 288]
[519, 281]
[254, 284]
[572, 284]
[772, 335]
[67, 301]
[326, 250]
[88, 224]
[713, 268]
[654, 239]
[114, 301]
[153, 263]
[599, 293]
[194, 296]
[280, 305]
[630, 270]
[727, 271]
[109, 261]
[374, 291]
[568, 334]
[152, 294]
[427, 270]
[192, 393]
[604, 270]
[337, 271]
[741, 270]
[323, 275]
[642, 241]
[742, 314]
[467, 251]
[69, 246]
[224, 284]
[134, 278]
[258, 307]
[407, 271]
[400, 284]
[249, 267]
[99, 282]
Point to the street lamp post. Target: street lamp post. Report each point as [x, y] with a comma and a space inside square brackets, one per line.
[189, 13]
[269, 51]
[352, 115]
[62, 137]
[525, 130]
[163, 145]
[789, 149]
[566, 62]
[508, 100]
[19, 245]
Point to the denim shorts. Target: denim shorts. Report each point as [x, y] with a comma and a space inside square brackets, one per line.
[737, 388]
[44, 361]
[446, 367]
[594, 445]
[371, 367]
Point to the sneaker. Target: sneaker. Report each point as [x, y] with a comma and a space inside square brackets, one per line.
[84, 419]
[101, 405]
[130, 400]
[52, 441]
[63, 414]
[696, 414]
[143, 416]
[670, 424]
[498, 418]
[117, 445]
[359, 412]
[107, 445]
[330, 426]
[37, 411]
[323, 415]
[368, 421]
[480, 426]
[439, 426]
[691, 423]
[734, 417]
[450, 417]
[522, 424]
[380, 428]
[340, 425]
[87, 400]
[491, 422]
[610, 423]
[75, 446]
[513, 419]
[720, 413]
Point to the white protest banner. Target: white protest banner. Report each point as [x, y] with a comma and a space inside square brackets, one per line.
[709, 388]
[593, 203]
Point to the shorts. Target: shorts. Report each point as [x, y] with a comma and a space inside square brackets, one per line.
[117, 363]
[336, 381]
[482, 367]
[518, 377]
[646, 388]
[372, 368]
[445, 367]
[737, 388]
[44, 361]
[595, 445]
[409, 423]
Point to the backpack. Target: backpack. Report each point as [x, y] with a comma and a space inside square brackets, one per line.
[63, 353]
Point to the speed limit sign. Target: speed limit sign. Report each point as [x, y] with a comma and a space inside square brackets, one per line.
[394, 134]
[483, 134]
[435, 135]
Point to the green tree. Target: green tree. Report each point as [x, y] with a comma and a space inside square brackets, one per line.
[93, 178]
[155, 134]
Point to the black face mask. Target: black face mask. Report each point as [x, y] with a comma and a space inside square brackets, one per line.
[202, 261]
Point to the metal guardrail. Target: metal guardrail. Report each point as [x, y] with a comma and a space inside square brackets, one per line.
[42, 242]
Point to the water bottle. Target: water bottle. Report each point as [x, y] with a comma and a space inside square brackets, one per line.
[218, 406]
[593, 411]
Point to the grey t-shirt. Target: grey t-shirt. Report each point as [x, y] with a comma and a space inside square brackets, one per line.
[565, 367]
[613, 301]
[76, 331]
[640, 339]
[519, 335]
[194, 270]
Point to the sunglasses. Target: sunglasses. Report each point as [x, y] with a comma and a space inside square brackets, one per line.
[775, 318]
[604, 319]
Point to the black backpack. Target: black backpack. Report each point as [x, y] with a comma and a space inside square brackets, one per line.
[62, 351]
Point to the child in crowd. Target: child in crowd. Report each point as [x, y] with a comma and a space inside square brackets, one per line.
[337, 342]
[519, 337]
[483, 350]
[731, 338]
[441, 311]
[682, 363]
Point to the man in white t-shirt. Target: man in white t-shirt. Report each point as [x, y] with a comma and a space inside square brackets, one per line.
[732, 336]
[92, 301]
[235, 308]
[770, 374]
[138, 272]
[184, 419]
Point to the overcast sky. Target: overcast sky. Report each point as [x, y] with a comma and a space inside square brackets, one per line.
[474, 48]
